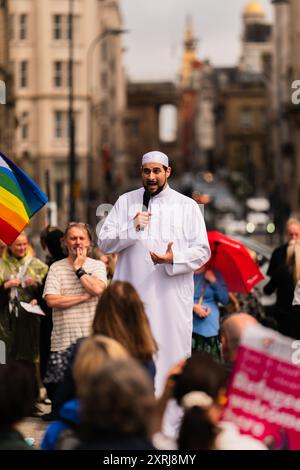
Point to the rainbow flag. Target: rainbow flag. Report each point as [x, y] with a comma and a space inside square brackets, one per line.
[20, 199]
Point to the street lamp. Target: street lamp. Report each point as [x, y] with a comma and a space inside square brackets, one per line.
[71, 124]
[90, 123]
[279, 190]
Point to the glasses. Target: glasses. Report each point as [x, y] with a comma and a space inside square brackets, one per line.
[83, 225]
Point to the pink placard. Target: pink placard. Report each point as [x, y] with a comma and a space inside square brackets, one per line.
[264, 390]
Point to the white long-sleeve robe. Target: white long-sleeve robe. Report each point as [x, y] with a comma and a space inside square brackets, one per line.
[166, 289]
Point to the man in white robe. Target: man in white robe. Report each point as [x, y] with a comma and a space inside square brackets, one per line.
[159, 249]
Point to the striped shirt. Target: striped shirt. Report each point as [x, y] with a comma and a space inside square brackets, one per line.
[72, 323]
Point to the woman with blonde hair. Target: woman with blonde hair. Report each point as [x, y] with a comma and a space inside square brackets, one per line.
[117, 408]
[93, 353]
[283, 281]
[120, 314]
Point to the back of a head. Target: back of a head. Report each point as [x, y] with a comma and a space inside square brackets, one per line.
[200, 372]
[53, 241]
[17, 392]
[203, 374]
[93, 353]
[118, 401]
[120, 314]
[232, 329]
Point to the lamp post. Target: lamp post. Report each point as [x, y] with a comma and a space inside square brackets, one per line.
[71, 123]
[90, 121]
[279, 136]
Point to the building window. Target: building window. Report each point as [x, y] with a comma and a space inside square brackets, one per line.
[246, 118]
[23, 74]
[24, 126]
[11, 27]
[59, 193]
[104, 50]
[61, 76]
[58, 74]
[104, 80]
[23, 27]
[57, 26]
[59, 129]
[63, 25]
[70, 26]
[61, 124]
[134, 128]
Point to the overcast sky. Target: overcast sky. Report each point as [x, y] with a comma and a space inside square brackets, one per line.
[154, 43]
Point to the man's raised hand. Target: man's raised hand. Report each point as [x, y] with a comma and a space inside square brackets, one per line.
[167, 258]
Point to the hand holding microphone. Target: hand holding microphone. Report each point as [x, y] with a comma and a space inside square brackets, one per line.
[141, 219]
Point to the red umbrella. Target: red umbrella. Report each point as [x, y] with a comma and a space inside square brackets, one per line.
[234, 262]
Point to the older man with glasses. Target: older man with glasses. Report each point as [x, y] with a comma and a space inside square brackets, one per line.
[72, 290]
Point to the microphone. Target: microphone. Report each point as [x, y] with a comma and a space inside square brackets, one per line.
[146, 199]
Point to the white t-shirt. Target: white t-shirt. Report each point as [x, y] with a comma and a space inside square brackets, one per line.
[75, 322]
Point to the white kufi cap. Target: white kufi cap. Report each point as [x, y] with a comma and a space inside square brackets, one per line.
[155, 157]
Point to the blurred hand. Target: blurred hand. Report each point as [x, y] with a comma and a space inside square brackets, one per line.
[28, 281]
[201, 311]
[171, 378]
[141, 220]
[210, 276]
[12, 283]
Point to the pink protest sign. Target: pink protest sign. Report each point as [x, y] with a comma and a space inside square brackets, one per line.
[264, 391]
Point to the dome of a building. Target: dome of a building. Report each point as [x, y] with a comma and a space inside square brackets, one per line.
[254, 9]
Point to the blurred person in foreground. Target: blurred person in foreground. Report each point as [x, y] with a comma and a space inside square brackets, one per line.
[120, 315]
[232, 329]
[199, 389]
[18, 394]
[117, 408]
[92, 354]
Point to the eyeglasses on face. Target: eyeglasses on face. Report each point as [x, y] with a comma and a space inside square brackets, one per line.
[80, 224]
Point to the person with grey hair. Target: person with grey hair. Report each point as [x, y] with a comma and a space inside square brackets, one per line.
[160, 237]
[279, 255]
[72, 289]
[232, 329]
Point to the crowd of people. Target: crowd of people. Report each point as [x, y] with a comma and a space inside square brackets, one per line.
[132, 340]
